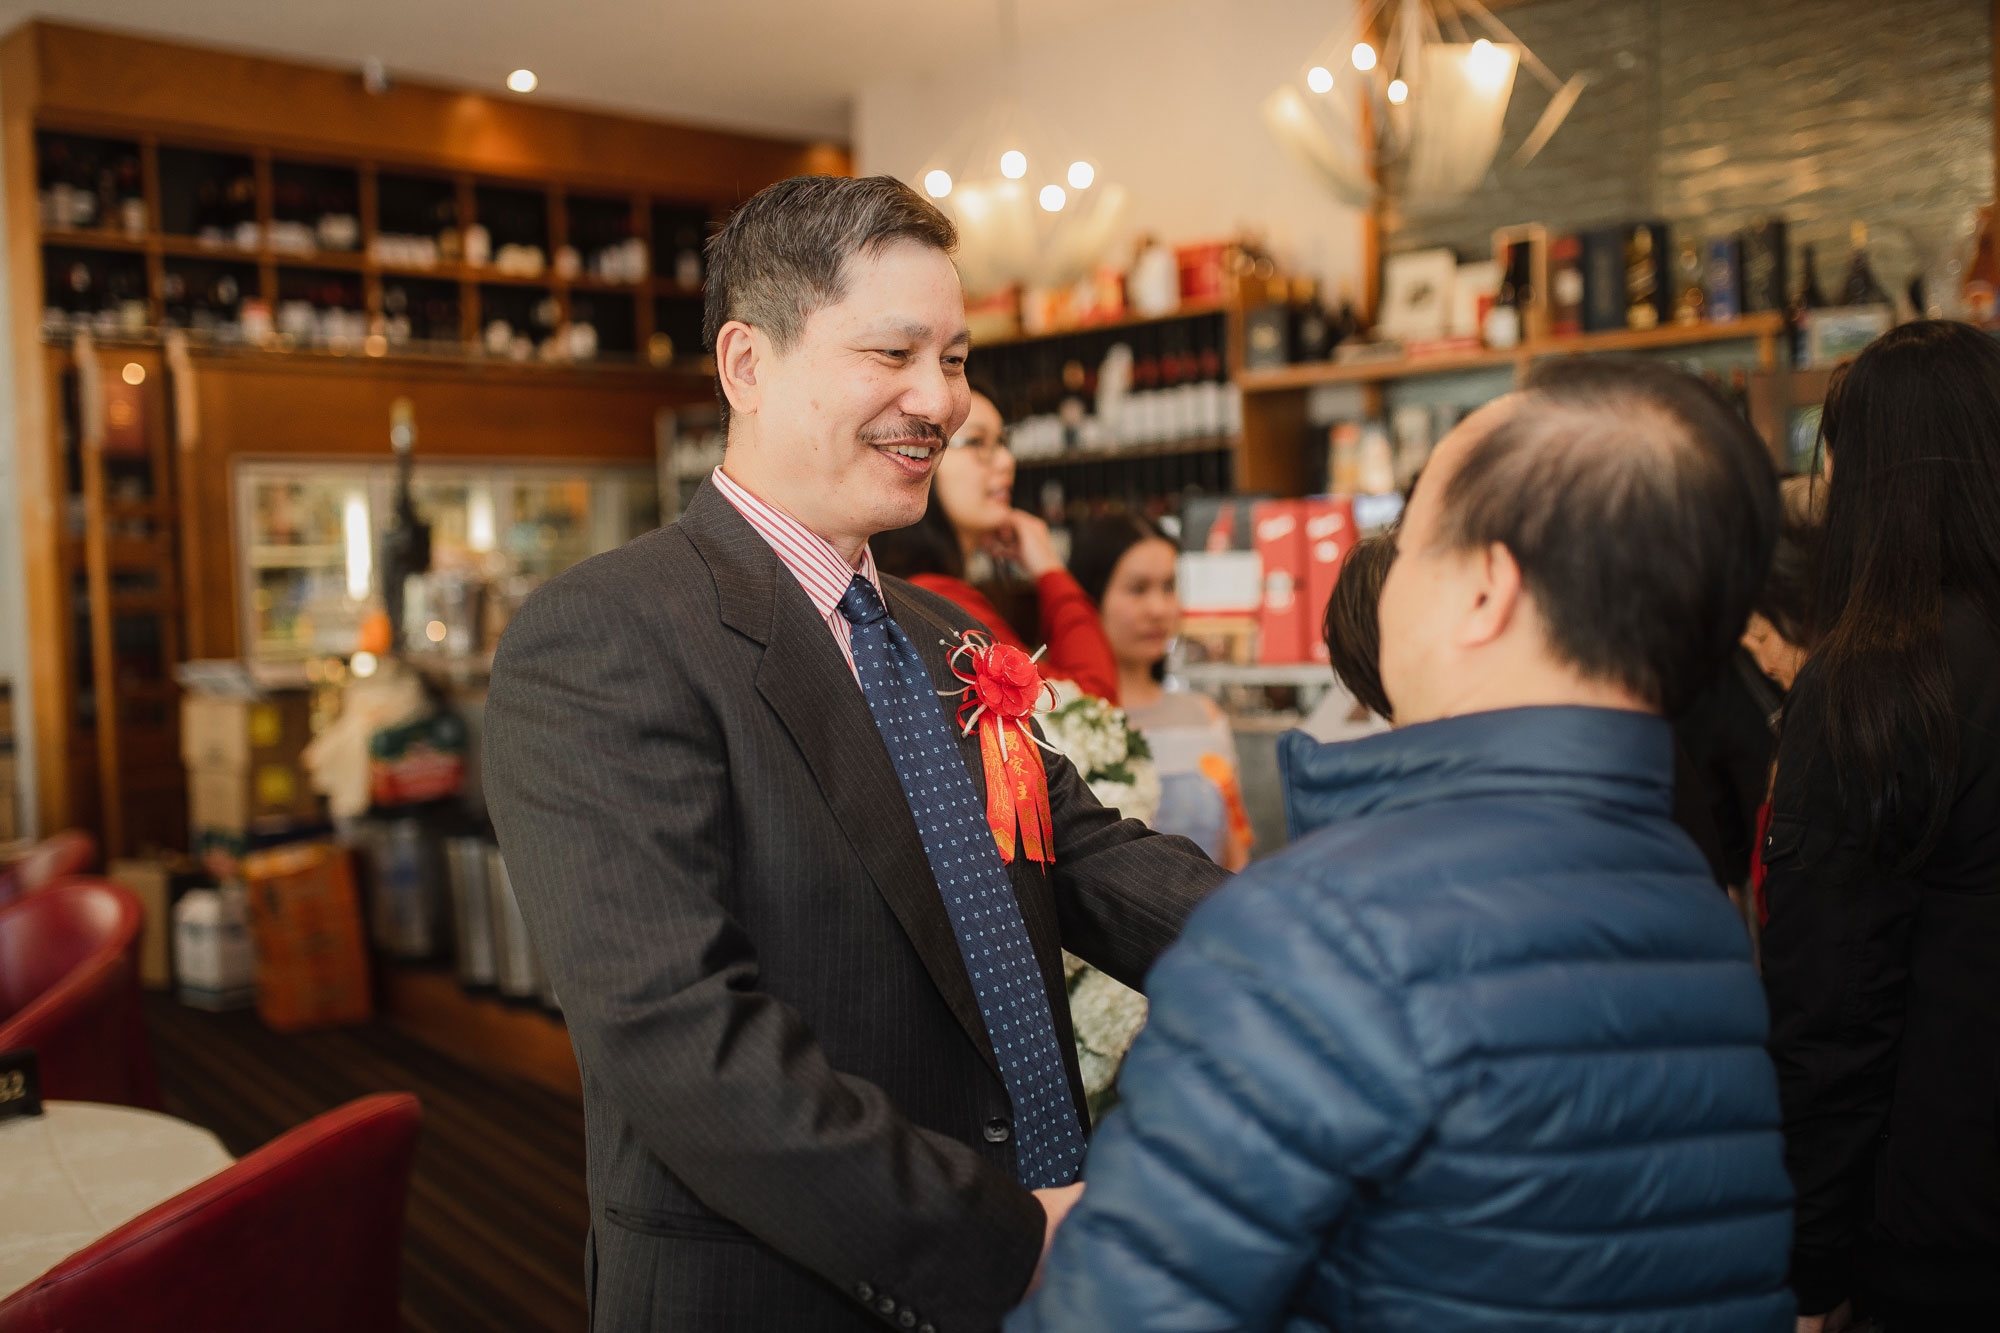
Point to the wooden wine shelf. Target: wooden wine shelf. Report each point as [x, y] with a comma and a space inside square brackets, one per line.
[1213, 444]
[1191, 310]
[1763, 327]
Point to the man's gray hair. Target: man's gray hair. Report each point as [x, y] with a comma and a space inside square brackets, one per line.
[784, 253]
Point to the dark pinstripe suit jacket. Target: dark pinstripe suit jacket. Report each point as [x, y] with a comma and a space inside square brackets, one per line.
[794, 1117]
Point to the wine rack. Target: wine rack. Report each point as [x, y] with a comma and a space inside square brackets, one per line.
[249, 247]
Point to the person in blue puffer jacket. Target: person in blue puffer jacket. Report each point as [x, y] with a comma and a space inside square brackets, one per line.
[1483, 1049]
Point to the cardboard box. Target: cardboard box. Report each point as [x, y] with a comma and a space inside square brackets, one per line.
[263, 801]
[246, 779]
[1329, 535]
[219, 732]
[1281, 550]
[305, 920]
[151, 882]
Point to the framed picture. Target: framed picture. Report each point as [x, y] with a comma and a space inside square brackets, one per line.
[1843, 331]
[1417, 294]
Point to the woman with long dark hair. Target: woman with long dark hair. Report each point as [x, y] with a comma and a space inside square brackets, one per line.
[971, 519]
[1882, 947]
[1128, 567]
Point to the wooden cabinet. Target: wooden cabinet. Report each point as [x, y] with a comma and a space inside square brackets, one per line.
[317, 251]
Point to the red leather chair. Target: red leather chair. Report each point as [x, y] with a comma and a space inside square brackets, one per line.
[305, 1235]
[70, 852]
[69, 990]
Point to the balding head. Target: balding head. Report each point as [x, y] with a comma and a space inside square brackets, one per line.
[1637, 512]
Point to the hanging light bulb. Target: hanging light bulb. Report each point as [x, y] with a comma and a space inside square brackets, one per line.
[1053, 198]
[1320, 79]
[1487, 65]
[1399, 92]
[1013, 164]
[1081, 174]
[937, 184]
[1364, 57]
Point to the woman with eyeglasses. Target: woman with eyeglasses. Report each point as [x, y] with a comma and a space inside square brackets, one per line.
[972, 522]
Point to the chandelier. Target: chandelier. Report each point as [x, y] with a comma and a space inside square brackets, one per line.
[1030, 205]
[1433, 98]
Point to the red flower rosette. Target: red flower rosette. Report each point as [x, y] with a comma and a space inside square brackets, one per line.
[1002, 687]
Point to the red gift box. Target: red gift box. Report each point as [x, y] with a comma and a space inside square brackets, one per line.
[1329, 535]
[1282, 633]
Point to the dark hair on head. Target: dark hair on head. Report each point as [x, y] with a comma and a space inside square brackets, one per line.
[1642, 511]
[1913, 426]
[1352, 626]
[784, 253]
[1098, 544]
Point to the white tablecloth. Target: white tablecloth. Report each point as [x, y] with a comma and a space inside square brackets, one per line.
[79, 1170]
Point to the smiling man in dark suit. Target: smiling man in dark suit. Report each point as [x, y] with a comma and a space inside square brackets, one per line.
[753, 853]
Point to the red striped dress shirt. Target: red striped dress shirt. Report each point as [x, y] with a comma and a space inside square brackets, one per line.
[817, 566]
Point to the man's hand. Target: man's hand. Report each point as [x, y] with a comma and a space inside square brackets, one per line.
[1837, 1320]
[1056, 1203]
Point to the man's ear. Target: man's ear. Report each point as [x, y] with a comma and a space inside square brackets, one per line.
[1497, 596]
[740, 352]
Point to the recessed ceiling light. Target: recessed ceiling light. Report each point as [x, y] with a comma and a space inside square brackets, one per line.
[522, 80]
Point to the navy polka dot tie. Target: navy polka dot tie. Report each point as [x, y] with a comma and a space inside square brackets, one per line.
[992, 937]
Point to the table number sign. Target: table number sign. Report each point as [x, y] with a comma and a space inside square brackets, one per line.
[20, 1085]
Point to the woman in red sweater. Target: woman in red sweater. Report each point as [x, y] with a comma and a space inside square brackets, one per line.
[972, 514]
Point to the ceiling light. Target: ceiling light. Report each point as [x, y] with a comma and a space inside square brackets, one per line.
[937, 184]
[134, 373]
[1488, 65]
[522, 80]
[1013, 164]
[1081, 174]
[1053, 198]
[1399, 92]
[1320, 79]
[1364, 56]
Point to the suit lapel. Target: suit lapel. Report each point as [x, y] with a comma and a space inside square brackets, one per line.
[808, 685]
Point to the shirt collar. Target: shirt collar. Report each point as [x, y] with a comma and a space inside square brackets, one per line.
[819, 569]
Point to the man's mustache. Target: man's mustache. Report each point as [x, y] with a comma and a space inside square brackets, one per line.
[913, 430]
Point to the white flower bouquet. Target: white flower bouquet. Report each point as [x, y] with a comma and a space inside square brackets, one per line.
[1117, 765]
[1109, 753]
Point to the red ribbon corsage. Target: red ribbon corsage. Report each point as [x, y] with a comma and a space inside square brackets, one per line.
[1002, 688]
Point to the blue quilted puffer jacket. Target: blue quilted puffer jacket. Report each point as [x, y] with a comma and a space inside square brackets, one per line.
[1482, 1050]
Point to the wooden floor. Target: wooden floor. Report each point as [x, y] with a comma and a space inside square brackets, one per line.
[497, 1212]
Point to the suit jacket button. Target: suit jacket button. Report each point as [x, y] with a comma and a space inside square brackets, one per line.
[908, 1319]
[886, 1305]
[998, 1130]
[926, 1328]
[864, 1291]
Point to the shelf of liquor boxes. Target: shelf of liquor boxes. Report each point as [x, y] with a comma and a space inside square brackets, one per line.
[1765, 327]
[1186, 310]
[416, 354]
[361, 261]
[1206, 444]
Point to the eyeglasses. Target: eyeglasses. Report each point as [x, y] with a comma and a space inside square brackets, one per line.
[984, 447]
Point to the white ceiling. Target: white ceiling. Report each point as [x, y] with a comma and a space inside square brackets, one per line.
[779, 66]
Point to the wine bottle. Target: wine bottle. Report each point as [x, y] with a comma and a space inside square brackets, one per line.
[1641, 280]
[1312, 329]
[1810, 295]
[1861, 287]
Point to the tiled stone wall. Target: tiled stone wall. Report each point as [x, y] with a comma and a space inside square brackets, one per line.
[1708, 113]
